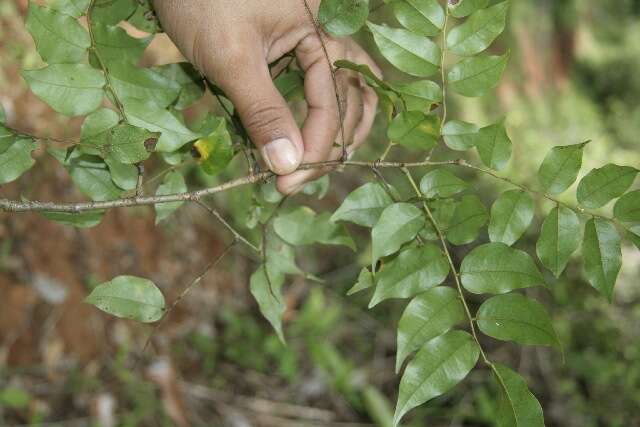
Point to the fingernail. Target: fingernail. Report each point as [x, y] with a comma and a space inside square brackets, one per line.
[281, 155]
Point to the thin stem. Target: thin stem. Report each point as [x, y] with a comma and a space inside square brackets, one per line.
[105, 70]
[452, 265]
[318, 31]
[443, 75]
[211, 265]
[225, 223]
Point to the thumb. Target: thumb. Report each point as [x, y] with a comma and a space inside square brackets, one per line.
[264, 114]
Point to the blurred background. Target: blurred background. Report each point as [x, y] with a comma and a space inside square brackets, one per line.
[215, 362]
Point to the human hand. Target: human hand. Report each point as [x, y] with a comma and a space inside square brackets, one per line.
[233, 41]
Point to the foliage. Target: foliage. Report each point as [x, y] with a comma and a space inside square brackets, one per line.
[134, 113]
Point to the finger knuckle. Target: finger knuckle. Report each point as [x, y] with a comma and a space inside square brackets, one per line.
[264, 120]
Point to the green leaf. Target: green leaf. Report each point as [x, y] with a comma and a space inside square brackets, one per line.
[173, 183]
[216, 150]
[561, 167]
[191, 83]
[511, 215]
[281, 257]
[123, 143]
[427, 316]
[469, 217]
[266, 288]
[115, 46]
[516, 318]
[466, 7]
[366, 72]
[343, 17]
[459, 135]
[473, 77]
[424, 17]
[479, 31]
[79, 220]
[302, 226]
[16, 159]
[93, 179]
[7, 139]
[290, 84]
[364, 205]
[495, 268]
[633, 233]
[559, 238]
[602, 185]
[142, 84]
[438, 367]
[441, 183]
[494, 146]
[415, 130]
[365, 281]
[97, 123]
[517, 406]
[70, 89]
[59, 38]
[627, 208]
[398, 224]
[111, 12]
[319, 187]
[123, 175]
[74, 8]
[174, 134]
[419, 95]
[415, 270]
[414, 54]
[602, 255]
[129, 297]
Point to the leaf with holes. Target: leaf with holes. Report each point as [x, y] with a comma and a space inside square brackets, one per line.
[511, 215]
[427, 316]
[414, 54]
[425, 17]
[123, 143]
[602, 255]
[398, 224]
[129, 297]
[473, 77]
[438, 367]
[514, 317]
[495, 268]
[561, 167]
[559, 238]
[364, 205]
[415, 270]
[602, 185]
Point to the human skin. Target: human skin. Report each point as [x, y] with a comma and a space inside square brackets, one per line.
[233, 41]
